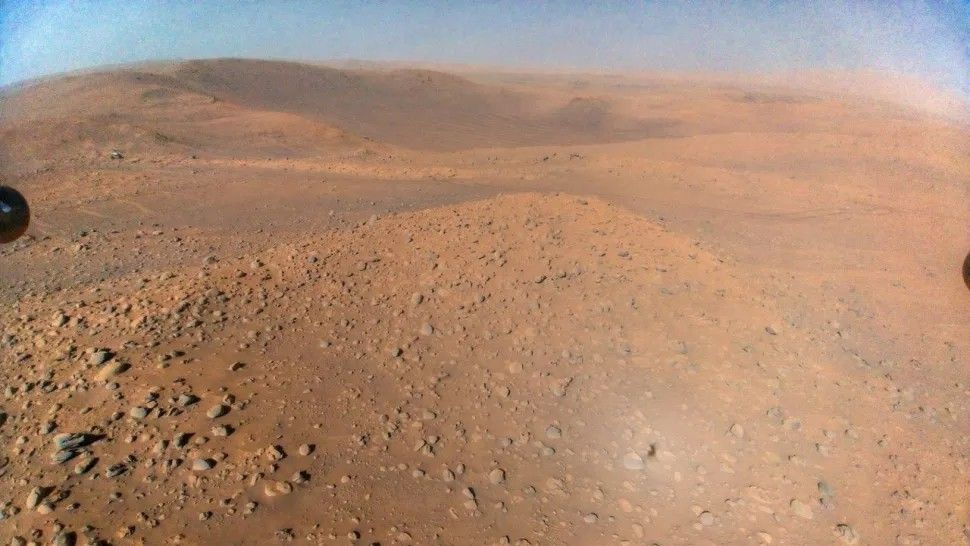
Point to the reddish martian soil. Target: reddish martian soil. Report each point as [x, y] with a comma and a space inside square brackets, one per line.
[267, 302]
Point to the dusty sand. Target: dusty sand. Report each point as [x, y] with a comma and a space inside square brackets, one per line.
[347, 306]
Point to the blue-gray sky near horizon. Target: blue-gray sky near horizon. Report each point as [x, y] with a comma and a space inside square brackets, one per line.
[926, 39]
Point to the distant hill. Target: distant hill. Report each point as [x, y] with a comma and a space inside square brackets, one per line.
[419, 109]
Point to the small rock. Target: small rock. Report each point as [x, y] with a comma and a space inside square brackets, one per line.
[34, 497]
[61, 457]
[86, 465]
[276, 489]
[65, 539]
[633, 461]
[100, 357]
[846, 533]
[110, 370]
[496, 476]
[559, 387]
[305, 449]
[824, 489]
[71, 440]
[222, 431]
[180, 439]
[115, 470]
[217, 411]
[801, 509]
[275, 453]
[185, 400]
[201, 465]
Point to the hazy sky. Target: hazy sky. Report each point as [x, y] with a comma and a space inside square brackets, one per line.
[925, 38]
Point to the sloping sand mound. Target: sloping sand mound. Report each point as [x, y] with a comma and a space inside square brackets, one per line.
[522, 370]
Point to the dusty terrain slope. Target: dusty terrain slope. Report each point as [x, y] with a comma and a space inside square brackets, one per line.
[360, 306]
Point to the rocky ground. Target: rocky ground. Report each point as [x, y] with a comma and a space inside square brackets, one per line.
[522, 370]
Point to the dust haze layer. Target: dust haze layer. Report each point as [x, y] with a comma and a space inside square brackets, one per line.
[485, 308]
[923, 40]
